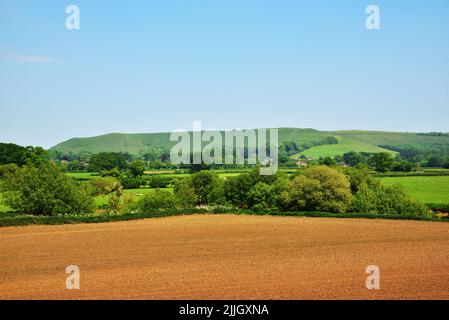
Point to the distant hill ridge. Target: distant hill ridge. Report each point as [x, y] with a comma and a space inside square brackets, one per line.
[348, 140]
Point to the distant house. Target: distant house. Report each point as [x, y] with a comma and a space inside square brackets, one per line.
[301, 163]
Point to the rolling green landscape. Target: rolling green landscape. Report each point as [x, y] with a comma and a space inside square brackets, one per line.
[344, 145]
[359, 141]
[123, 173]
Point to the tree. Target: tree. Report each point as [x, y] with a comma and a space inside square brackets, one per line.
[446, 164]
[435, 161]
[353, 158]
[12, 153]
[107, 161]
[137, 168]
[320, 188]
[381, 199]
[328, 161]
[185, 194]
[403, 166]
[360, 176]
[44, 190]
[204, 182]
[382, 162]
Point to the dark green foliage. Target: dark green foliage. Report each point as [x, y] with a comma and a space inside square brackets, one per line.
[446, 164]
[13, 154]
[382, 199]
[353, 158]
[107, 161]
[185, 193]
[403, 166]
[238, 190]
[129, 181]
[44, 190]
[203, 183]
[137, 168]
[159, 181]
[359, 176]
[382, 162]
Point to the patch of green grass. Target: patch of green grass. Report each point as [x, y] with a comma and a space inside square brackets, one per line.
[428, 190]
[344, 145]
[134, 193]
[82, 176]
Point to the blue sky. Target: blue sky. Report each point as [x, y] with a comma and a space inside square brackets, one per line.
[149, 66]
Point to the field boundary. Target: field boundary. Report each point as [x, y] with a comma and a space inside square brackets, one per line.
[15, 219]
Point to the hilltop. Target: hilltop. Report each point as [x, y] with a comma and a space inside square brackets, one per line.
[360, 141]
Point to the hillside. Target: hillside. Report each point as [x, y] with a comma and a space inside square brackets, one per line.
[344, 145]
[139, 142]
[362, 141]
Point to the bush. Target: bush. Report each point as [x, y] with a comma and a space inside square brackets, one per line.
[382, 199]
[320, 188]
[131, 182]
[185, 194]
[261, 196]
[44, 190]
[158, 181]
[359, 176]
[158, 199]
[217, 195]
[103, 185]
[237, 189]
[204, 182]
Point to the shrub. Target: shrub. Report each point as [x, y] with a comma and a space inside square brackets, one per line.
[185, 194]
[320, 188]
[237, 189]
[359, 176]
[131, 182]
[103, 185]
[203, 182]
[217, 195]
[44, 190]
[261, 196]
[159, 182]
[158, 199]
[382, 199]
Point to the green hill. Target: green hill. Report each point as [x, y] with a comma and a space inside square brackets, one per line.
[344, 145]
[139, 142]
[362, 141]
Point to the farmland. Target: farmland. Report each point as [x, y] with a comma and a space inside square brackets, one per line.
[227, 257]
[428, 190]
[344, 145]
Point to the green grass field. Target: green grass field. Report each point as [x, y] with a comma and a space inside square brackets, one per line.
[344, 145]
[425, 189]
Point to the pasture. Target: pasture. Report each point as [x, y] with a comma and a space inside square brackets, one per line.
[425, 189]
[344, 145]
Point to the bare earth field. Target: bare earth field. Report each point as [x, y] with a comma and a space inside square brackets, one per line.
[227, 257]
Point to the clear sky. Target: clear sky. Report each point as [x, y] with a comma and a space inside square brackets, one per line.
[149, 66]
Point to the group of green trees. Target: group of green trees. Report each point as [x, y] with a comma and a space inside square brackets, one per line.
[317, 188]
[429, 156]
[380, 162]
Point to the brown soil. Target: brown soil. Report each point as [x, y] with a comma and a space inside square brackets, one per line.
[227, 257]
